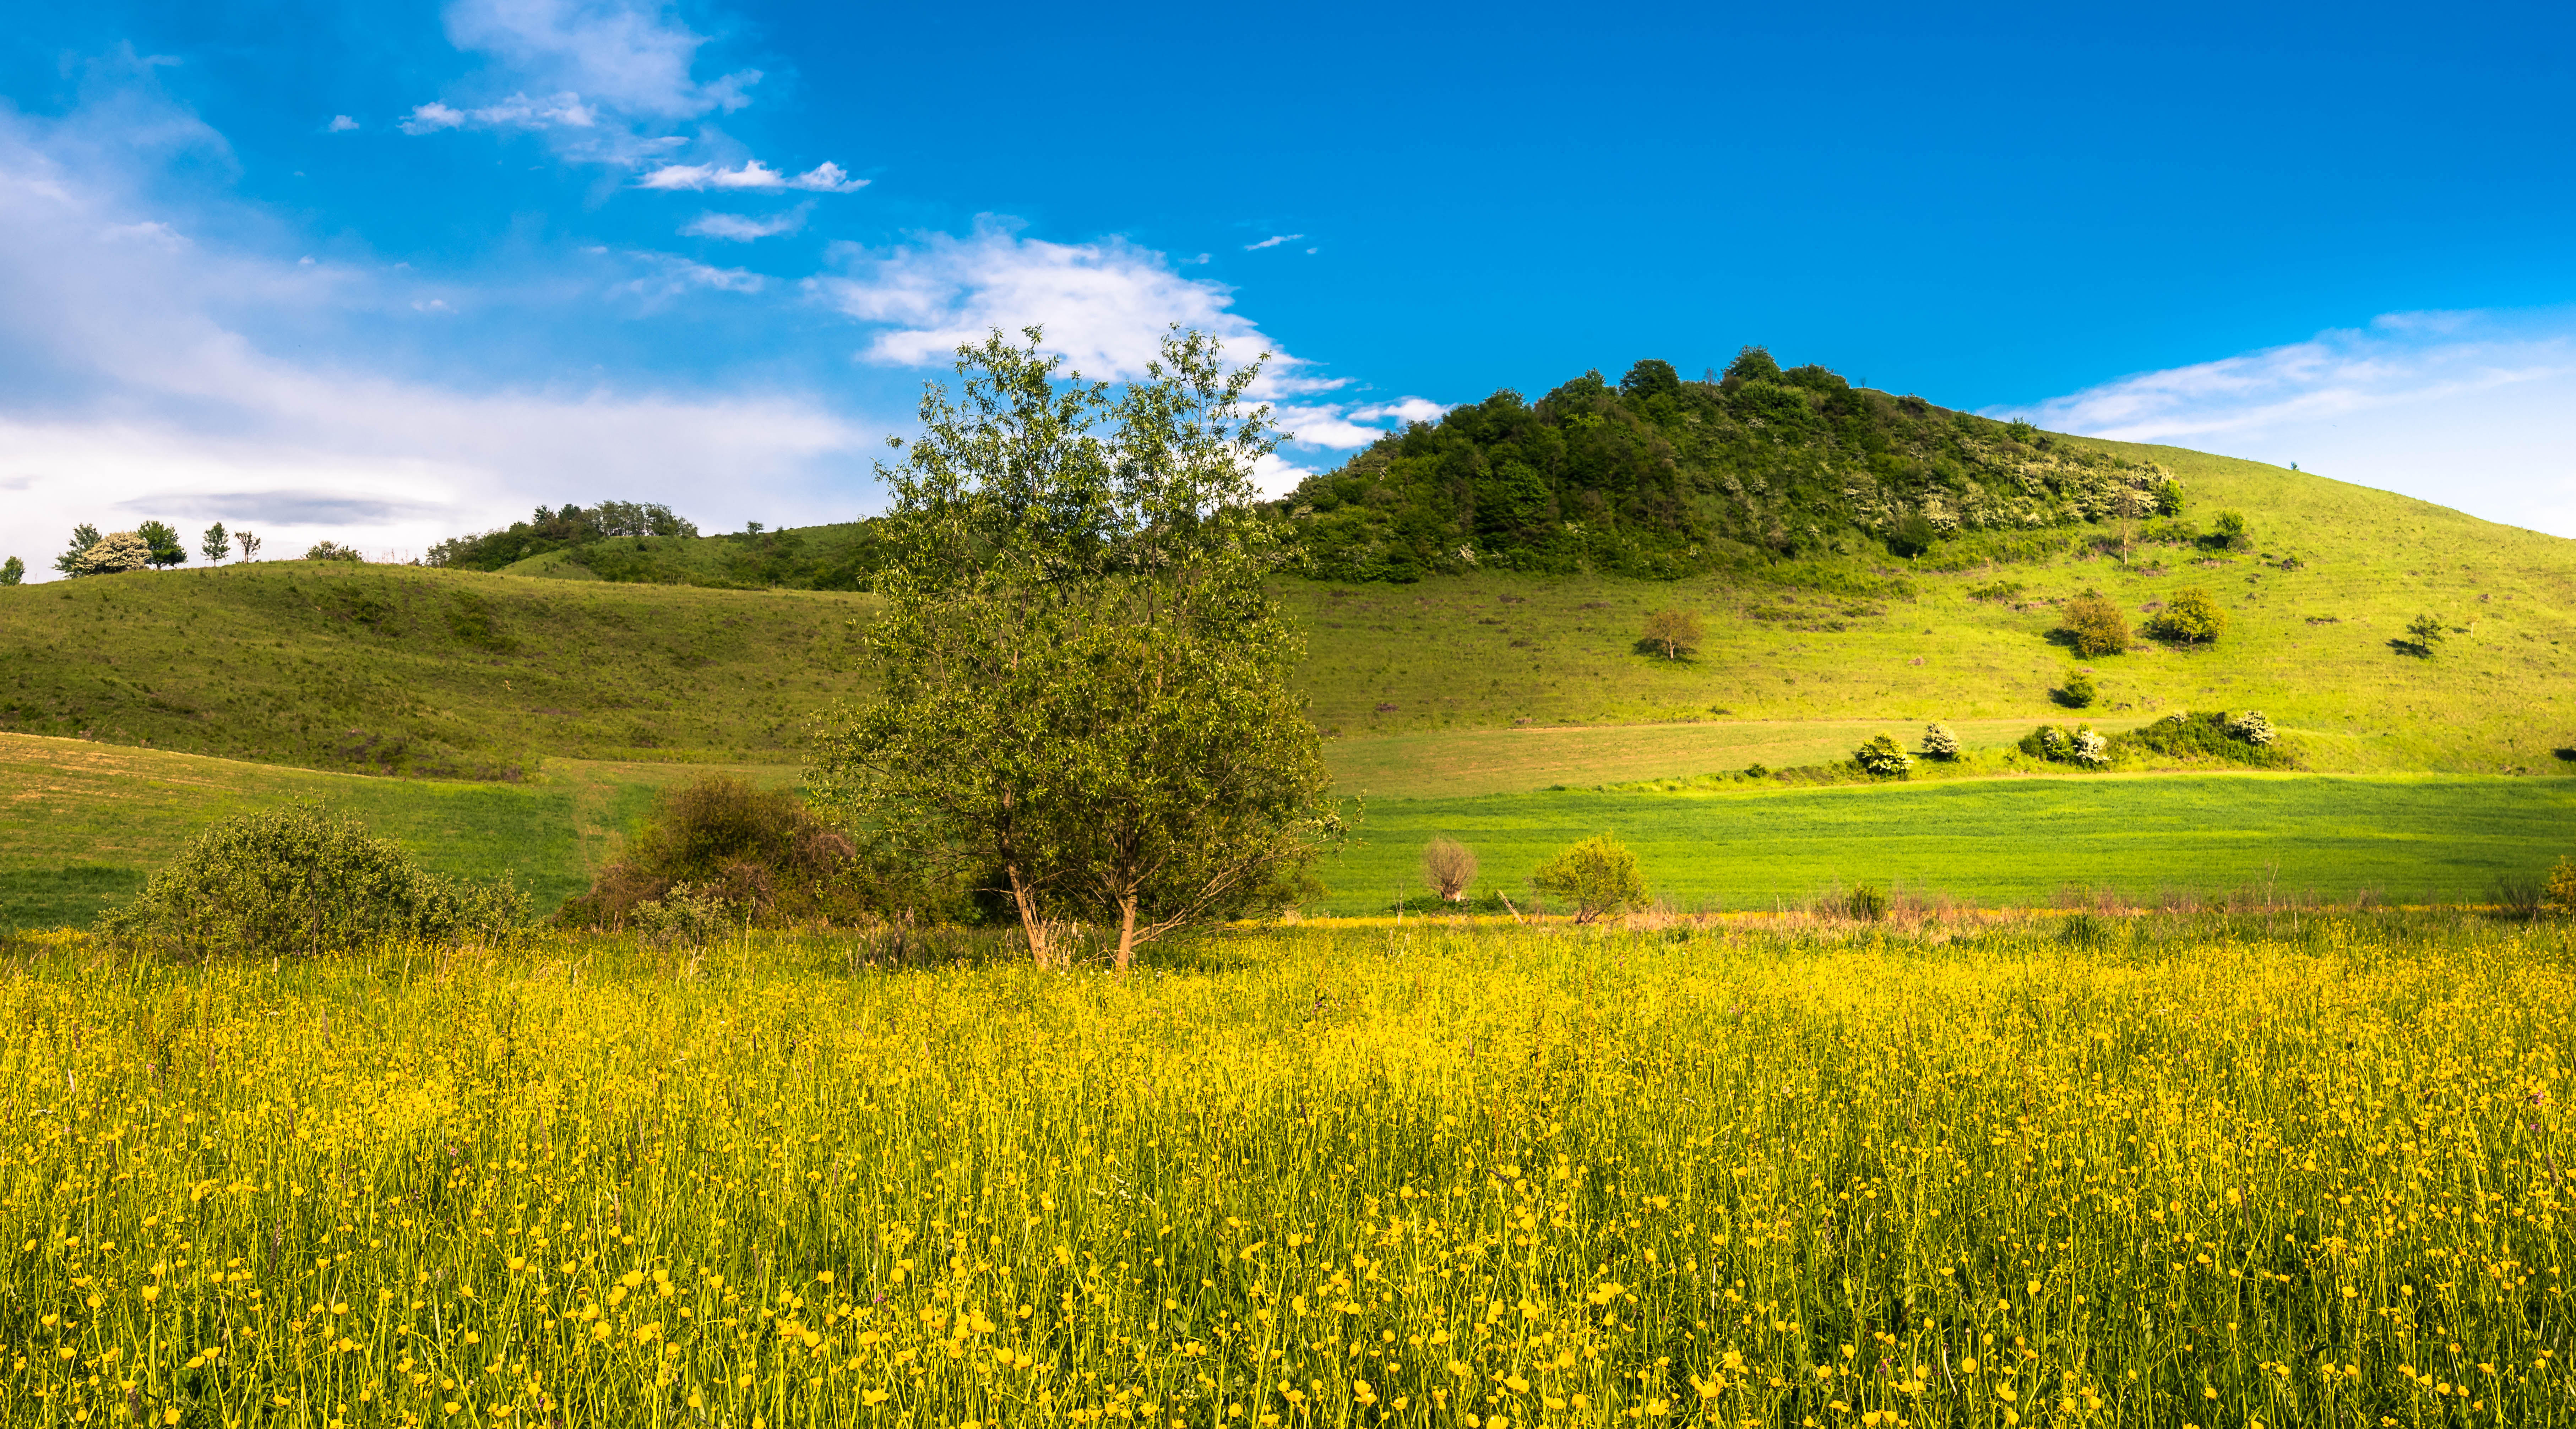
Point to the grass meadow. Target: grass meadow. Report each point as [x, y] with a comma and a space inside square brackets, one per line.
[2001, 842]
[2157, 1171]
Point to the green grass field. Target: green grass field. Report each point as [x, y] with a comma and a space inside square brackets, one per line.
[2002, 842]
[82, 824]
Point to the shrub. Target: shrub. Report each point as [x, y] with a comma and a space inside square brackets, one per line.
[1866, 903]
[1598, 875]
[2190, 618]
[2078, 691]
[1675, 632]
[688, 916]
[1999, 590]
[2560, 892]
[1757, 771]
[2096, 626]
[757, 850]
[1449, 867]
[2228, 533]
[332, 551]
[1882, 757]
[297, 880]
[1939, 742]
[2214, 736]
[2089, 749]
[114, 554]
[1912, 536]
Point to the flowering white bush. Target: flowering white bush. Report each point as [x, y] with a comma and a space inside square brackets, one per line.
[2091, 749]
[2252, 728]
[1939, 742]
[1884, 757]
[117, 551]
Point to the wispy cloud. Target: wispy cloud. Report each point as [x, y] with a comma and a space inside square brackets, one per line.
[2464, 408]
[341, 124]
[754, 176]
[564, 111]
[637, 59]
[1105, 306]
[673, 275]
[1272, 241]
[135, 382]
[742, 228]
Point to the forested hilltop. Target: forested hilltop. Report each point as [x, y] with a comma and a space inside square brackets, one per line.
[1658, 477]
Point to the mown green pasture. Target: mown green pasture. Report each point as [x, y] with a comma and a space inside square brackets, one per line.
[2001, 842]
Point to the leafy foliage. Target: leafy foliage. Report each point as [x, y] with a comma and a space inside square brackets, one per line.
[1866, 903]
[298, 881]
[1939, 742]
[2077, 691]
[216, 544]
[2560, 890]
[333, 551]
[2213, 736]
[759, 852]
[12, 571]
[2425, 633]
[1598, 876]
[1883, 757]
[1675, 632]
[2096, 626]
[1085, 704]
[552, 529]
[2191, 617]
[164, 543]
[1659, 477]
[70, 561]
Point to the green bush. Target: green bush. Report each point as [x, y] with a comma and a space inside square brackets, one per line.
[1883, 757]
[2078, 745]
[2078, 691]
[2190, 618]
[758, 851]
[2212, 735]
[1939, 742]
[1866, 903]
[2095, 626]
[296, 881]
[1598, 875]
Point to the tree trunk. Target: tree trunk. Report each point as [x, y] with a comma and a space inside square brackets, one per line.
[1126, 931]
[1030, 923]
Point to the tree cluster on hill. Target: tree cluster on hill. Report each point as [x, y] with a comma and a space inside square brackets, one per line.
[152, 545]
[1659, 477]
[556, 529]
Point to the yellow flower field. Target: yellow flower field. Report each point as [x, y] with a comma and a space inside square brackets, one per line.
[2174, 1175]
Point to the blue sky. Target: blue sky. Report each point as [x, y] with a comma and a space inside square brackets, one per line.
[385, 273]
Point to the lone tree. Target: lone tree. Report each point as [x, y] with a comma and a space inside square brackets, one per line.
[12, 571]
[1449, 867]
[84, 536]
[1675, 632]
[2096, 625]
[1598, 875]
[249, 545]
[215, 546]
[1083, 703]
[2425, 632]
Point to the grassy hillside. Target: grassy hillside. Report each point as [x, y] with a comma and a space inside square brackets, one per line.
[404, 670]
[82, 824]
[2317, 609]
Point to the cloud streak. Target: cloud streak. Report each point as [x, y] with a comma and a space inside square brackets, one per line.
[2464, 408]
[752, 177]
[1272, 241]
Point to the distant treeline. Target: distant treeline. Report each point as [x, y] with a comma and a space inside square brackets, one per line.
[648, 543]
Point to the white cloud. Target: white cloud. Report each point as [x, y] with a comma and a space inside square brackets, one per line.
[1105, 307]
[342, 124]
[673, 276]
[561, 111]
[133, 385]
[2468, 409]
[742, 228]
[636, 59]
[1272, 241]
[755, 176]
[1105, 304]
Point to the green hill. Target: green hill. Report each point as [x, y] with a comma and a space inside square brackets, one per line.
[406, 670]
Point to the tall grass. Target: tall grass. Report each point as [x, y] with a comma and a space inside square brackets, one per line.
[2175, 1171]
